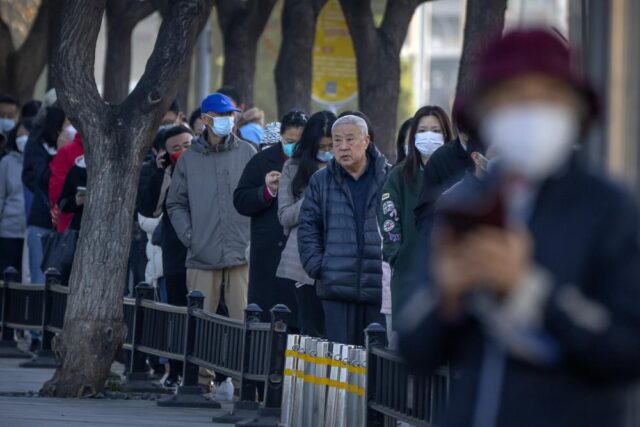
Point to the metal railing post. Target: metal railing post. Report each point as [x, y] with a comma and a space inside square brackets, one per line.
[44, 357]
[375, 336]
[138, 379]
[188, 394]
[248, 389]
[8, 346]
[275, 377]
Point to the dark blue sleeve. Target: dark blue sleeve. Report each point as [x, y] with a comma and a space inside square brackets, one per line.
[598, 325]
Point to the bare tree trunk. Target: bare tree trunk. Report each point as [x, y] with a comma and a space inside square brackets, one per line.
[242, 24]
[378, 62]
[293, 72]
[484, 19]
[183, 89]
[122, 18]
[21, 68]
[118, 136]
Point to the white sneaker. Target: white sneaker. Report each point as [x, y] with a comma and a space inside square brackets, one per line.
[224, 391]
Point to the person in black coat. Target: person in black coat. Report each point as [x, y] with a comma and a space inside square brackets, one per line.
[153, 187]
[256, 197]
[445, 167]
[38, 153]
[532, 290]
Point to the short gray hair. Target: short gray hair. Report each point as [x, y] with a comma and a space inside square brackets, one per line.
[352, 120]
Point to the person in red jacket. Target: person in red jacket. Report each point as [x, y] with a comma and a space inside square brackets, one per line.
[63, 161]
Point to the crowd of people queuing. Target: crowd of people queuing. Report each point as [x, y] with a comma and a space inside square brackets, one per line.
[487, 244]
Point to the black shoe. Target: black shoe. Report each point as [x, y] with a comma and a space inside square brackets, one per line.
[35, 345]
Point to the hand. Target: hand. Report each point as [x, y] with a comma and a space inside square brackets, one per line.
[272, 180]
[489, 258]
[80, 198]
[499, 259]
[160, 159]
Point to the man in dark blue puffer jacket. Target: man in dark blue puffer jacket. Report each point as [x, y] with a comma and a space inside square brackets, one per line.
[338, 236]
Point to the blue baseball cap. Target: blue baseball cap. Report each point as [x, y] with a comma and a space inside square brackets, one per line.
[218, 103]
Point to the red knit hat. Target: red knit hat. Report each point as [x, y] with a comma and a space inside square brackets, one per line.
[530, 51]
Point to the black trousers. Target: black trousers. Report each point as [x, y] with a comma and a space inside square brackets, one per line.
[310, 311]
[345, 322]
[11, 254]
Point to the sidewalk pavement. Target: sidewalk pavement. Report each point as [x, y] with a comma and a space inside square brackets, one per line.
[19, 410]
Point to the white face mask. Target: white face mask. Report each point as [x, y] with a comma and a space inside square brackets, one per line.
[533, 139]
[222, 125]
[21, 142]
[428, 142]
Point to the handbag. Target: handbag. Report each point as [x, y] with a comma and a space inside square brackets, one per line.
[58, 250]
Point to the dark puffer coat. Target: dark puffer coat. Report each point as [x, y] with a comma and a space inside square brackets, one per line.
[327, 236]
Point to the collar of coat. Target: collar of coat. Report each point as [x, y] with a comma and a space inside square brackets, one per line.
[202, 146]
[380, 164]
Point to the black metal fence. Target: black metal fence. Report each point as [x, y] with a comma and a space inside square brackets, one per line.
[251, 351]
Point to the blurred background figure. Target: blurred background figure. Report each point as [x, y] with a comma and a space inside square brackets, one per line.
[271, 135]
[313, 152]
[39, 151]
[12, 209]
[531, 289]
[250, 125]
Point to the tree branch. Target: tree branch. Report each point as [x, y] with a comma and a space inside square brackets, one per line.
[74, 58]
[397, 15]
[172, 50]
[359, 17]
[29, 60]
[484, 18]
[6, 49]
[122, 17]
[249, 14]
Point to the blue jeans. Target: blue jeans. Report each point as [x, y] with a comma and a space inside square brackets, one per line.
[34, 241]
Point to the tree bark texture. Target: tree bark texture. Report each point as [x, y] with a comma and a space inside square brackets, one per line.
[122, 18]
[117, 136]
[242, 24]
[20, 68]
[293, 72]
[378, 62]
[484, 19]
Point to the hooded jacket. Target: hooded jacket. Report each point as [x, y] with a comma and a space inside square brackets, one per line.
[200, 203]
[328, 240]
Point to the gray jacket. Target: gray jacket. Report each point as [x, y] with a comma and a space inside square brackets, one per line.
[200, 203]
[13, 220]
[288, 212]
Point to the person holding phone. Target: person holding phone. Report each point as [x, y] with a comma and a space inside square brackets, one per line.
[530, 288]
[256, 196]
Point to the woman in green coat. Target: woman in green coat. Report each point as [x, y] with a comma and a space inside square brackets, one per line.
[430, 130]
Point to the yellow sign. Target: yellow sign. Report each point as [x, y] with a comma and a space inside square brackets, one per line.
[334, 60]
